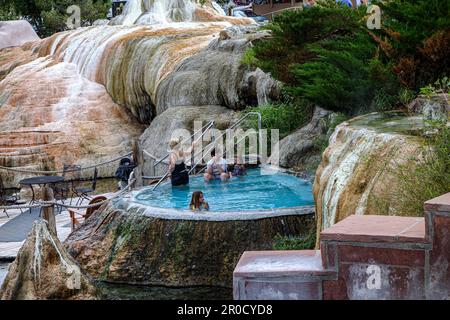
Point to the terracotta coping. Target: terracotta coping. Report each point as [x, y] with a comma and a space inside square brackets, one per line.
[373, 228]
[441, 204]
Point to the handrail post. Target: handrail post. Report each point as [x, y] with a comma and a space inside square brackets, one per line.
[138, 160]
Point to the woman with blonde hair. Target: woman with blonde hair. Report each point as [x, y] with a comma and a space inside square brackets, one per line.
[178, 172]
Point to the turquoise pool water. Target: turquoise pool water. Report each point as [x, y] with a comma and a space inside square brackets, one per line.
[255, 191]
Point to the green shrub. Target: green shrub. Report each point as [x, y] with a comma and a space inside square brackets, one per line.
[294, 243]
[249, 57]
[284, 116]
[50, 16]
[430, 177]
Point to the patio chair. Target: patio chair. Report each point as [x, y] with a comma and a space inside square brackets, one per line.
[77, 215]
[72, 179]
[6, 200]
[83, 192]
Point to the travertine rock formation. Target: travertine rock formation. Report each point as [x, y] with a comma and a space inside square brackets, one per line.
[82, 96]
[131, 244]
[43, 270]
[360, 163]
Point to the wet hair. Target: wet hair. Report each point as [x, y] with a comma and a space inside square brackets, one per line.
[173, 143]
[195, 200]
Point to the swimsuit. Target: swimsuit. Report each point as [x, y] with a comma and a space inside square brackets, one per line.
[180, 175]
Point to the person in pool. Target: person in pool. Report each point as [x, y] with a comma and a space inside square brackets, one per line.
[217, 167]
[178, 173]
[239, 169]
[198, 202]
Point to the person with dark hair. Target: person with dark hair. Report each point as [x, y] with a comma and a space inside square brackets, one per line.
[217, 168]
[124, 171]
[198, 202]
[239, 169]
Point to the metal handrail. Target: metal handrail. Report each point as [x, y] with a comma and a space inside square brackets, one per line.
[204, 168]
[207, 126]
[212, 144]
[231, 127]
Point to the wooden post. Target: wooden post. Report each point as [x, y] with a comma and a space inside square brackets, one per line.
[138, 159]
[48, 212]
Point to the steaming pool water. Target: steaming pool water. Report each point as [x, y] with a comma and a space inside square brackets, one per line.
[258, 190]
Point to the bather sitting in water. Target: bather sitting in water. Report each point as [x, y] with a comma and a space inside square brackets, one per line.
[239, 169]
[216, 168]
[198, 202]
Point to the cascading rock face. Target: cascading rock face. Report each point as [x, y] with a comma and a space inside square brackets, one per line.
[82, 96]
[359, 166]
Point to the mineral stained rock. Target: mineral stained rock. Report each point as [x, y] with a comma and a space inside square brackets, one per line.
[357, 173]
[43, 270]
[50, 116]
[82, 96]
[139, 247]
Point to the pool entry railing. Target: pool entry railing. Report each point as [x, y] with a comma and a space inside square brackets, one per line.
[210, 146]
[203, 131]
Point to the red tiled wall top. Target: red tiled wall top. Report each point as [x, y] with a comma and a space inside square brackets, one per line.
[441, 203]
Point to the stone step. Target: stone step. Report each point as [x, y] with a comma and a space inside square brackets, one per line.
[379, 229]
[362, 257]
[280, 275]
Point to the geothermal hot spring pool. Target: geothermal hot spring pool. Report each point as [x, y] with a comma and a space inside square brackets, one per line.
[260, 189]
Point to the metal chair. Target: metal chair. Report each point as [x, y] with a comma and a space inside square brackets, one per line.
[89, 211]
[13, 199]
[83, 192]
[72, 177]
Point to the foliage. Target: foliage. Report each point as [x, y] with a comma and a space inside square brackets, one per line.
[50, 16]
[440, 86]
[7, 11]
[294, 243]
[430, 177]
[285, 116]
[326, 55]
[415, 38]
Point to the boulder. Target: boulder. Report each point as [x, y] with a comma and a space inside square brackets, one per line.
[156, 138]
[434, 107]
[43, 270]
[357, 172]
[129, 243]
[16, 33]
[299, 149]
[216, 76]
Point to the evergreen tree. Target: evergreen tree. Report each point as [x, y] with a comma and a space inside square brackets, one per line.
[415, 36]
